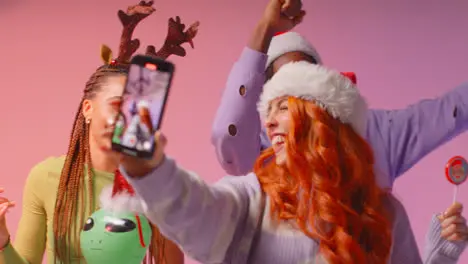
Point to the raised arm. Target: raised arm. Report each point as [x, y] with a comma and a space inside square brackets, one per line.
[32, 224]
[411, 133]
[201, 219]
[237, 128]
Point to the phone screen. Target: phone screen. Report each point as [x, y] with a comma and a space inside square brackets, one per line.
[142, 110]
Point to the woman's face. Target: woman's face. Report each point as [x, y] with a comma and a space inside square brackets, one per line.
[277, 127]
[102, 110]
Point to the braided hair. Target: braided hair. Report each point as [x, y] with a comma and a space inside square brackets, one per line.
[71, 201]
[71, 206]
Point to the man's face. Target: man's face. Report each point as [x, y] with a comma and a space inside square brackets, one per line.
[285, 59]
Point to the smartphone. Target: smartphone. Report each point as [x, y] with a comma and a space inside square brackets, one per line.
[142, 108]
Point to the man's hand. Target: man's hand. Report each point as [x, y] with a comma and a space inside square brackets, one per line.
[283, 15]
[279, 16]
[137, 167]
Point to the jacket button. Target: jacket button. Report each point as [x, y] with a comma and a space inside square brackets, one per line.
[242, 90]
[232, 129]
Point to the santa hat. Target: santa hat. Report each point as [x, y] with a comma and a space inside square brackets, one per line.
[333, 91]
[284, 42]
[120, 197]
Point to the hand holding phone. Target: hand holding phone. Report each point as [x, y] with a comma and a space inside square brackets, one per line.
[144, 102]
[137, 168]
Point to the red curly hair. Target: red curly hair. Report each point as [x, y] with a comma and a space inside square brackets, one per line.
[328, 187]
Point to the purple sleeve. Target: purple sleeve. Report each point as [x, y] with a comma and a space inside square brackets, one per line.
[439, 250]
[236, 128]
[201, 219]
[409, 134]
[405, 249]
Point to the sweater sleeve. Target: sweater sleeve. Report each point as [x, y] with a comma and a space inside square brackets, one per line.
[202, 219]
[410, 134]
[439, 250]
[236, 128]
[32, 224]
[405, 249]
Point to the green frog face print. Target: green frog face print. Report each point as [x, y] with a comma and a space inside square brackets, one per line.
[117, 238]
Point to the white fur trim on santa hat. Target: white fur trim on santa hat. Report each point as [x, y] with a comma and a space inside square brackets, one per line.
[289, 42]
[142, 104]
[121, 202]
[329, 89]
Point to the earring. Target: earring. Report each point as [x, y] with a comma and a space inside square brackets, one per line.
[88, 121]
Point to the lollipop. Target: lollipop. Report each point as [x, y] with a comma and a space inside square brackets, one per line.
[456, 171]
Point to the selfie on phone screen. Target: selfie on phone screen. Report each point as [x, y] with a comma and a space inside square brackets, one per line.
[141, 111]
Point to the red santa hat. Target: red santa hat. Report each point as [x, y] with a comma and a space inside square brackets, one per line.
[284, 42]
[333, 91]
[120, 197]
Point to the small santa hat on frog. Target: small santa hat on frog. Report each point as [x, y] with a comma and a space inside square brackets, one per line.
[285, 42]
[120, 197]
[335, 92]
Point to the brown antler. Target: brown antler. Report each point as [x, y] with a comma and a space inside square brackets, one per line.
[130, 20]
[176, 36]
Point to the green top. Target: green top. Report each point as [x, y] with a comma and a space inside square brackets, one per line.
[35, 230]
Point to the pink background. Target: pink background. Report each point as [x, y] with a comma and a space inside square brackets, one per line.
[402, 51]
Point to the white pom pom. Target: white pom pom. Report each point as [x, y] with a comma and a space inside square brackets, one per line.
[142, 104]
[121, 202]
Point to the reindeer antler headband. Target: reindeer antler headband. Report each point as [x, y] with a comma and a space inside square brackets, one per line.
[176, 36]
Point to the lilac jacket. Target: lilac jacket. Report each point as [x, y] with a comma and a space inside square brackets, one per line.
[218, 223]
[399, 138]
